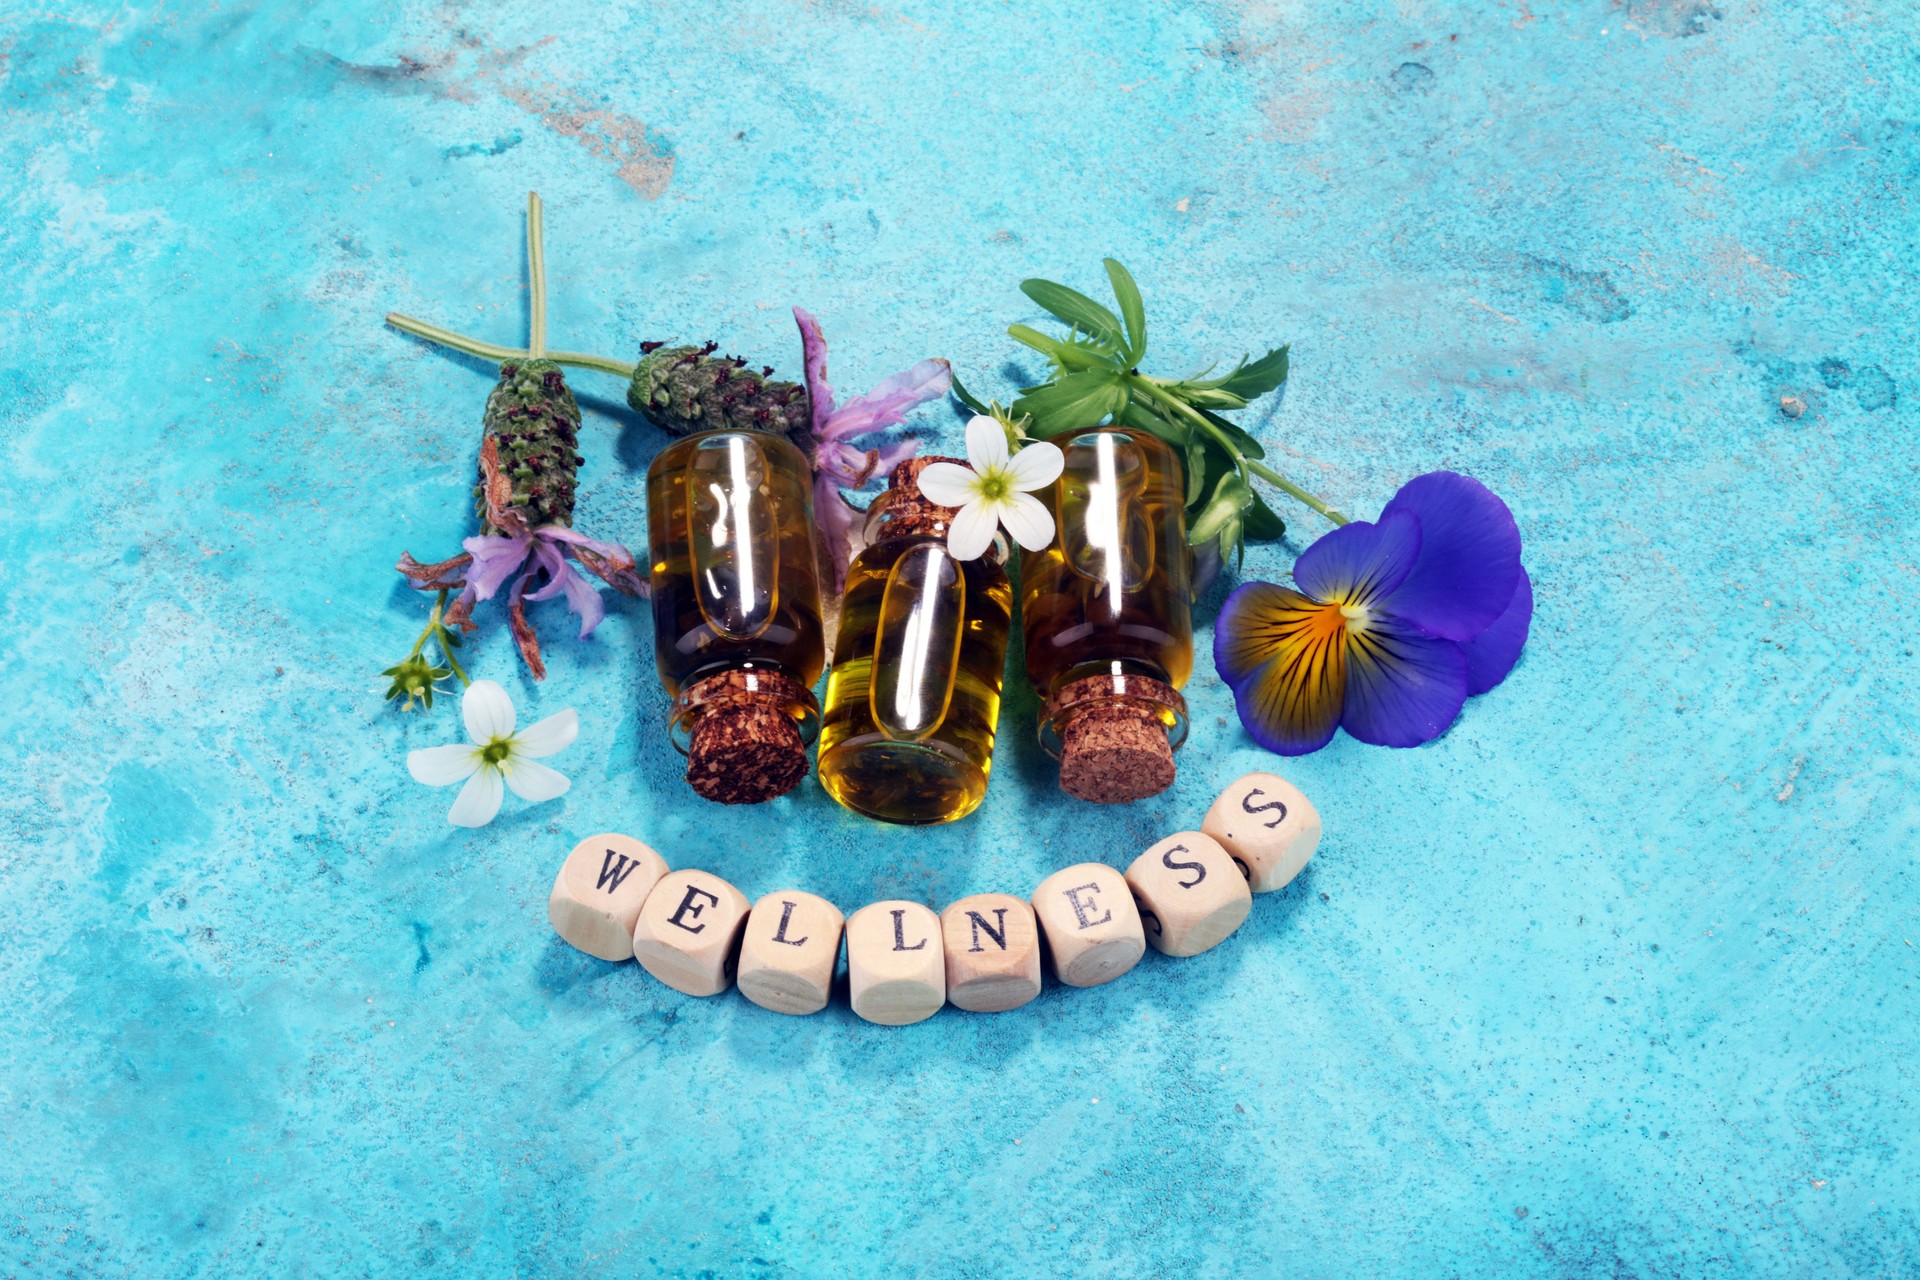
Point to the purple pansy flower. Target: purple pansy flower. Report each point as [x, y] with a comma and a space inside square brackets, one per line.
[837, 463]
[1394, 625]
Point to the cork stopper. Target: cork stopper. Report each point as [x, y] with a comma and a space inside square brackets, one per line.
[1114, 747]
[745, 746]
[911, 513]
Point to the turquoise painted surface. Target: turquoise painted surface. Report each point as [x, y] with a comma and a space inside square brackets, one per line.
[1616, 979]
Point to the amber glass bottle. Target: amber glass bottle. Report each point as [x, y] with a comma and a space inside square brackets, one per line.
[1107, 615]
[736, 609]
[914, 693]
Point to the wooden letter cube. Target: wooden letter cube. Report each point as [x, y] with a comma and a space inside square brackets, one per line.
[1190, 894]
[688, 934]
[1268, 826]
[896, 965]
[993, 953]
[1090, 923]
[788, 952]
[597, 895]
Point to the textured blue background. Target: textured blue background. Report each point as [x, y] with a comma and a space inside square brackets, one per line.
[1618, 978]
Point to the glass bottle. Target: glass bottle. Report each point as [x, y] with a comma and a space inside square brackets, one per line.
[1107, 615]
[914, 692]
[736, 609]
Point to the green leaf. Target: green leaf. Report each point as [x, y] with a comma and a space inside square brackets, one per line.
[1140, 416]
[1246, 444]
[1132, 309]
[1074, 401]
[1048, 347]
[1196, 468]
[1251, 381]
[1211, 398]
[967, 398]
[1262, 524]
[1230, 497]
[1076, 309]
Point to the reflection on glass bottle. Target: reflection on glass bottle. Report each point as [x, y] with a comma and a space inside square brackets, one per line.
[914, 692]
[1108, 623]
[736, 609]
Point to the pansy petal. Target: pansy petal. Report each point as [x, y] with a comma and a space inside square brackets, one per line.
[889, 402]
[443, 766]
[544, 737]
[986, 444]
[1283, 656]
[478, 801]
[949, 484]
[533, 781]
[813, 347]
[1036, 466]
[971, 532]
[488, 712]
[1359, 563]
[1403, 687]
[1492, 653]
[1469, 556]
[1028, 520]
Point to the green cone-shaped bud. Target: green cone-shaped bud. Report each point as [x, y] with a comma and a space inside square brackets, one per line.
[686, 389]
[535, 423]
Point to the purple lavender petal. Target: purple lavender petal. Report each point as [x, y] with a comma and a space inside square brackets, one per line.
[1360, 563]
[836, 521]
[841, 461]
[1492, 653]
[1469, 556]
[613, 551]
[813, 345]
[892, 455]
[889, 402]
[581, 597]
[1403, 687]
[494, 560]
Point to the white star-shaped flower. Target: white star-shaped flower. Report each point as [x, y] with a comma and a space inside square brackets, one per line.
[496, 755]
[995, 489]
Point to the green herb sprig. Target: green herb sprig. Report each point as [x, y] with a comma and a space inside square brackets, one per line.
[1095, 376]
[417, 676]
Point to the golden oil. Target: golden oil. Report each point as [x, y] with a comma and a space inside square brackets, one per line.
[1109, 628]
[913, 697]
[736, 608]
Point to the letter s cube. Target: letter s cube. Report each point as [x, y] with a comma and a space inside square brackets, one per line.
[1190, 894]
[1268, 826]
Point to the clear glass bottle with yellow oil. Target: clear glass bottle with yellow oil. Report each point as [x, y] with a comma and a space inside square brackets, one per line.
[913, 696]
[1108, 620]
[736, 609]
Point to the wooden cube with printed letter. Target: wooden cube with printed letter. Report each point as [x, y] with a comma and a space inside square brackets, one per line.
[688, 933]
[896, 963]
[598, 893]
[1092, 928]
[1268, 826]
[788, 950]
[1190, 894]
[993, 953]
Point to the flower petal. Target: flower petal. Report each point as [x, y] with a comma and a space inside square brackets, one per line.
[1360, 563]
[986, 444]
[971, 532]
[443, 766]
[488, 712]
[838, 524]
[1403, 687]
[949, 484]
[533, 781]
[494, 560]
[813, 347]
[544, 737]
[478, 801]
[1469, 556]
[1028, 520]
[1285, 659]
[1036, 466]
[581, 597]
[1492, 653]
[889, 402]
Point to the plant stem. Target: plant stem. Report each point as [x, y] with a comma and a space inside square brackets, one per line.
[492, 351]
[1168, 400]
[537, 279]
